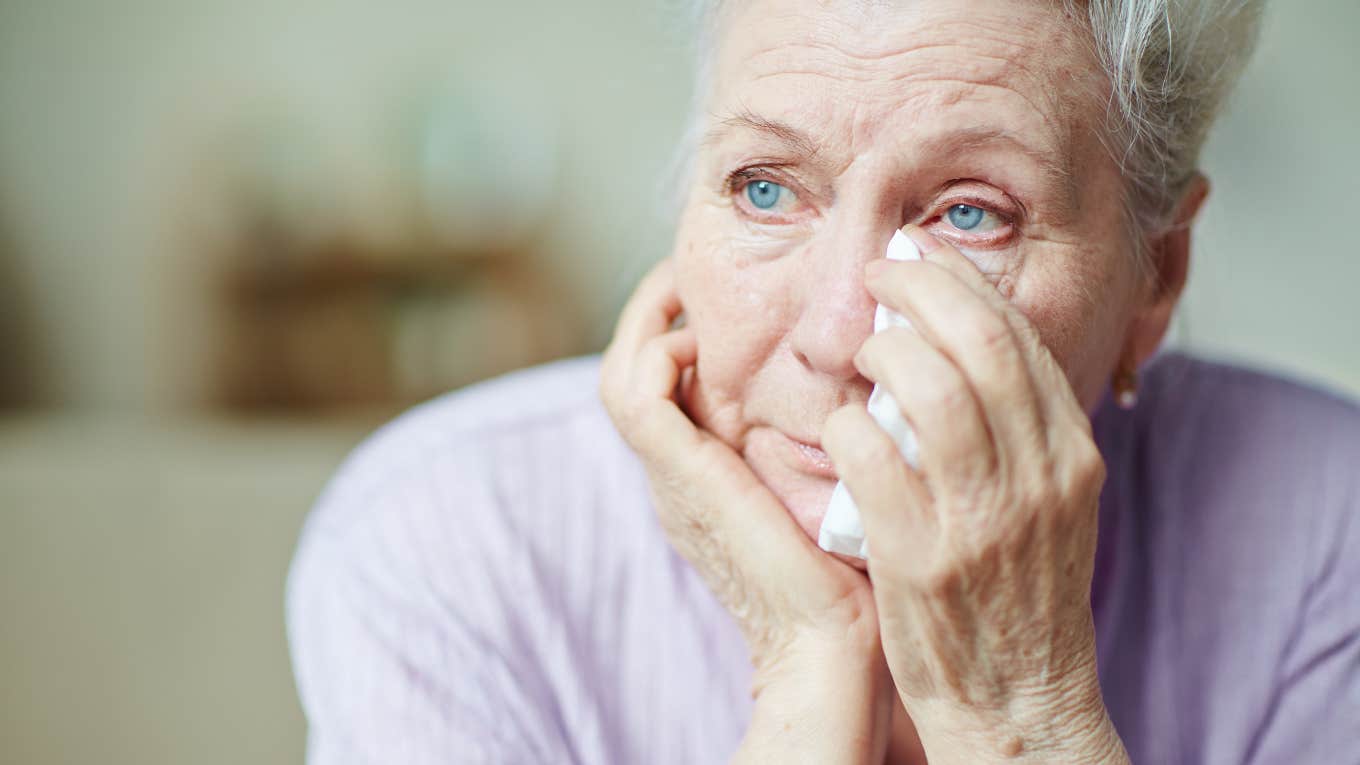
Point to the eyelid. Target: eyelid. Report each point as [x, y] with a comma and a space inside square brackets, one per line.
[738, 179]
[967, 191]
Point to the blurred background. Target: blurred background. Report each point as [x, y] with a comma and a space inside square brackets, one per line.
[235, 235]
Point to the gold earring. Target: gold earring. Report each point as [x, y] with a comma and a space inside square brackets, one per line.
[1125, 386]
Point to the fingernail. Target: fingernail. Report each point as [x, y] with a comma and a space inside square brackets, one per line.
[924, 241]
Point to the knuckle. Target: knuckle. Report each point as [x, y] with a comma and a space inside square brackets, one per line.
[982, 467]
[1080, 458]
[938, 579]
[1044, 468]
[1039, 486]
[1089, 464]
[1043, 497]
[948, 394]
[990, 334]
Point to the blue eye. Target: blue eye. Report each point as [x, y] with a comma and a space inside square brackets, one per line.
[764, 194]
[966, 217]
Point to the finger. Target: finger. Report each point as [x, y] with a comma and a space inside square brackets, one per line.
[978, 339]
[743, 510]
[652, 419]
[956, 449]
[895, 505]
[650, 310]
[733, 530]
[733, 523]
[1055, 395]
[954, 261]
[661, 360]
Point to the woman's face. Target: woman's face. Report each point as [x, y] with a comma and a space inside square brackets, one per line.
[829, 125]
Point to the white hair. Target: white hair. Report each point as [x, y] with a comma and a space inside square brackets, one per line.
[1170, 64]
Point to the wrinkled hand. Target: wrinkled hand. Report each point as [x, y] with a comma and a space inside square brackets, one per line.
[782, 590]
[808, 619]
[981, 559]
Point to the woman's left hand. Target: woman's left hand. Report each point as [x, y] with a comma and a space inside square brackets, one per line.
[981, 559]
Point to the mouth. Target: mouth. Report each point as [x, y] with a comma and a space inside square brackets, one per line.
[811, 459]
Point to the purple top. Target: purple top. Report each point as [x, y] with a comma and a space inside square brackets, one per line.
[485, 581]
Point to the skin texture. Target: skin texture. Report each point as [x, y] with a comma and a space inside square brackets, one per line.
[970, 639]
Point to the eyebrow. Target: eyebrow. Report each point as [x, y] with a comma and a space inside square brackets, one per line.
[1056, 177]
[798, 141]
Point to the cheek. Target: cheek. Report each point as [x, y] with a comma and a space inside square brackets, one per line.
[1061, 315]
[732, 306]
[1076, 312]
[736, 309]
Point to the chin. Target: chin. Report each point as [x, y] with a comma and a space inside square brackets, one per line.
[804, 496]
[807, 505]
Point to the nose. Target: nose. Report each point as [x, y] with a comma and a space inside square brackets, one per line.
[837, 311]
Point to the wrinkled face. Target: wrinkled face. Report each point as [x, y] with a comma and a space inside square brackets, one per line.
[829, 125]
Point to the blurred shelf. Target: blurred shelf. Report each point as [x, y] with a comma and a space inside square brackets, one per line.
[341, 327]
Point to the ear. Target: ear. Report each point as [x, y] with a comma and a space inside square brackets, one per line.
[1169, 257]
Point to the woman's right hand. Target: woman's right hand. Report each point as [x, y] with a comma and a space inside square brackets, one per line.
[809, 620]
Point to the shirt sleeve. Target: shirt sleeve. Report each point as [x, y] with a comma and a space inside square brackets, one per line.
[1315, 716]
[404, 644]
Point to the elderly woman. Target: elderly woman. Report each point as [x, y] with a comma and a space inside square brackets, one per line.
[616, 560]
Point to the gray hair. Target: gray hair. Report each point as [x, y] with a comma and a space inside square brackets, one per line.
[1171, 65]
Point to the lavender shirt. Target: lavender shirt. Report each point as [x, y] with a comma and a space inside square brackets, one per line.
[485, 581]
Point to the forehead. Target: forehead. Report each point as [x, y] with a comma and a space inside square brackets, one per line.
[855, 76]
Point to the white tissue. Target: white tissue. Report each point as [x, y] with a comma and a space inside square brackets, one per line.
[842, 532]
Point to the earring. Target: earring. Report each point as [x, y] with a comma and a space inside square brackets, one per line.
[1125, 386]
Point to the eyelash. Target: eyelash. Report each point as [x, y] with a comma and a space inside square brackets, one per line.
[737, 180]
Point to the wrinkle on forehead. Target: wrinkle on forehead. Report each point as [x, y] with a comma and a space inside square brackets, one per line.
[1026, 61]
[887, 65]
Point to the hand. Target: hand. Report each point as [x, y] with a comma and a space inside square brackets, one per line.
[981, 559]
[808, 619]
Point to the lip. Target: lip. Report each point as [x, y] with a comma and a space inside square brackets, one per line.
[810, 458]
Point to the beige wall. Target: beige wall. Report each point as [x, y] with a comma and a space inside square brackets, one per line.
[105, 114]
[1277, 268]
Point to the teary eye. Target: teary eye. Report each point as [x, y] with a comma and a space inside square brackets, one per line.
[766, 194]
[972, 218]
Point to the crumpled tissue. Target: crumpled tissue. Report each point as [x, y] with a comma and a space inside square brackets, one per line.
[842, 531]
